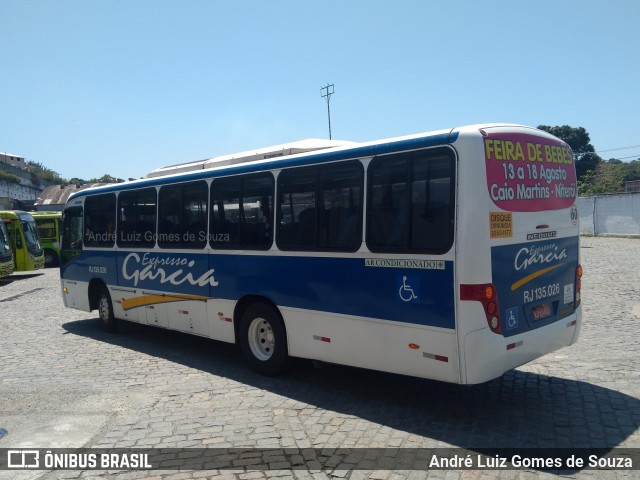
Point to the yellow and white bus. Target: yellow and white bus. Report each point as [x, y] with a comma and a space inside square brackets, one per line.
[25, 242]
[6, 254]
[450, 255]
[49, 224]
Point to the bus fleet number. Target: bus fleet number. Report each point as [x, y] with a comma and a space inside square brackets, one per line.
[541, 292]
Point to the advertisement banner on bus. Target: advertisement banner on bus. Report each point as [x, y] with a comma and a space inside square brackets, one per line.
[527, 173]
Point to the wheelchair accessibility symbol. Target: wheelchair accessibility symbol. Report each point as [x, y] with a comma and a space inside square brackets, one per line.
[512, 318]
[408, 287]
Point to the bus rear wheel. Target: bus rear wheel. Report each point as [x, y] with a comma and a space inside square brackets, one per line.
[263, 339]
[105, 311]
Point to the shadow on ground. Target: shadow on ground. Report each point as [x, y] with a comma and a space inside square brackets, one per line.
[17, 276]
[517, 411]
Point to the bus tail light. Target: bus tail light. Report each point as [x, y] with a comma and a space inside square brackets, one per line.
[486, 294]
[578, 285]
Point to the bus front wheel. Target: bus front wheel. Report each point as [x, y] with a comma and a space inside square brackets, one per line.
[263, 339]
[105, 311]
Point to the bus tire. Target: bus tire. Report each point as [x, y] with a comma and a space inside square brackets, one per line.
[105, 311]
[263, 339]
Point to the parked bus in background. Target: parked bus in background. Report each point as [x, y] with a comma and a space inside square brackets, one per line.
[6, 254]
[451, 255]
[49, 224]
[24, 239]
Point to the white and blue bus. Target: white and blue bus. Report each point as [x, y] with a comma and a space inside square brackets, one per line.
[451, 255]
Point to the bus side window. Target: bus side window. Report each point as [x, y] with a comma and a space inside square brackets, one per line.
[100, 220]
[411, 202]
[182, 215]
[341, 188]
[257, 211]
[320, 208]
[297, 209]
[194, 214]
[388, 205]
[242, 212]
[432, 206]
[225, 212]
[137, 218]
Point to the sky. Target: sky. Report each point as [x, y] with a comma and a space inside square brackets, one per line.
[121, 87]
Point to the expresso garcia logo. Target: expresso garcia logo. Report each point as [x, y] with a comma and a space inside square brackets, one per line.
[538, 255]
[173, 270]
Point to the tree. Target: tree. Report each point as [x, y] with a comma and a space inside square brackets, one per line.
[578, 139]
[106, 178]
[605, 178]
[41, 171]
[630, 170]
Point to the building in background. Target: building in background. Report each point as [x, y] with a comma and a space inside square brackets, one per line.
[632, 186]
[13, 160]
[53, 198]
[18, 183]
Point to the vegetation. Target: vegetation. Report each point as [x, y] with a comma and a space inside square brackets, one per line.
[9, 177]
[106, 178]
[43, 172]
[578, 139]
[594, 174]
[609, 177]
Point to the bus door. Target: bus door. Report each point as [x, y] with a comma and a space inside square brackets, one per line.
[71, 248]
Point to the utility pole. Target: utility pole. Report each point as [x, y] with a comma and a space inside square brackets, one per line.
[327, 92]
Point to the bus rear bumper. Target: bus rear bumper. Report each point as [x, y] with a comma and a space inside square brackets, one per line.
[488, 355]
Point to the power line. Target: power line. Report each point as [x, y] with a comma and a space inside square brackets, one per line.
[624, 158]
[619, 148]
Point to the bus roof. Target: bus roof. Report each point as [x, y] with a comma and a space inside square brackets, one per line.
[52, 214]
[302, 146]
[16, 214]
[260, 160]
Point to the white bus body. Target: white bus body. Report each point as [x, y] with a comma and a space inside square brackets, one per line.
[450, 255]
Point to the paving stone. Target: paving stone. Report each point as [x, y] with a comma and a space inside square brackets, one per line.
[156, 388]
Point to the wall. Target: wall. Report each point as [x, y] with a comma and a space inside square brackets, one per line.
[19, 192]
[610, 214]
[29, 188]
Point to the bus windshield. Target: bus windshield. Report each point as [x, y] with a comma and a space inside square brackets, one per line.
[5, 248]
[6, 255]
[31, 234]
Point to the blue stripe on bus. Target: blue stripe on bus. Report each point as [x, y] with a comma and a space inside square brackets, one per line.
[403, 293]
[284, 162]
